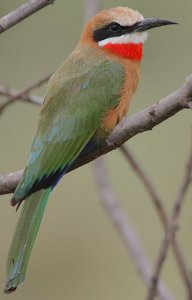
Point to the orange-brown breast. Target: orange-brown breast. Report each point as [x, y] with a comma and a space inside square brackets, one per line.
[115, 115]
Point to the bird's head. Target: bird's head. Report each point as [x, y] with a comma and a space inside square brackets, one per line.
[121, 31]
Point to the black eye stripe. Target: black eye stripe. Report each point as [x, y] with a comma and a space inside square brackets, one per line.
[107, 32]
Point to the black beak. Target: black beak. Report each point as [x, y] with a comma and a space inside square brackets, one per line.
[151, 23]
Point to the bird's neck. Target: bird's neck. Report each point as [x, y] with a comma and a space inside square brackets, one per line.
[131, 50]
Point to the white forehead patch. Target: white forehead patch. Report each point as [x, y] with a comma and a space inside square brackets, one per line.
[131, 38]
[125, 16]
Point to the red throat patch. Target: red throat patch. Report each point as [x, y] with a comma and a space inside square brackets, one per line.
[130, 50]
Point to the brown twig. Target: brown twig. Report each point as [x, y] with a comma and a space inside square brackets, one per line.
[147, 184]
[91, 8]
[14, 95]
[22, 12]
[124, 228]
[171, 230]
[158, 203]
[34, 86]
[10, 181]
[128, 128]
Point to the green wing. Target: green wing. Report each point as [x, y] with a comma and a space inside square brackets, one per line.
[79, 94]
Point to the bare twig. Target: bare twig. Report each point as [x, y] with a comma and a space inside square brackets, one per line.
[34, 86]
[22, 12]
[158, 203]
[147, 184]
[10, 181]
[125, 230]
[14, 95]
[171, 230]
[129, 127]
[91, 8]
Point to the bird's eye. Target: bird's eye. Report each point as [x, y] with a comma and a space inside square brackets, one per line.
[115, 27]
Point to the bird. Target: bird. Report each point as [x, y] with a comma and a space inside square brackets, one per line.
[87, 96]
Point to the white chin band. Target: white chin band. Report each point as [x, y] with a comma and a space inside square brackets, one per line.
[131, 38]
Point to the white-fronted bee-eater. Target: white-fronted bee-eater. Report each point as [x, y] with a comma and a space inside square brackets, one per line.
[86, 98]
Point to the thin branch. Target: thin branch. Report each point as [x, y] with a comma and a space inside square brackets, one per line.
[147, 184]
[124, 228]
[171, 230]
[158, 204]
[125, 130]
[22, 12]
[34, 86]
[91, 8]
[14, 95]
[10, 181]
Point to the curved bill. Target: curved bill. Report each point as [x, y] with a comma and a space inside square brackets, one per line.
[147, 24]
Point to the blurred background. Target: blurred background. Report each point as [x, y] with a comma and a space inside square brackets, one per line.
[78, 254]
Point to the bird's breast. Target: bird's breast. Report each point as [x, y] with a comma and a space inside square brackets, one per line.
[131, 77]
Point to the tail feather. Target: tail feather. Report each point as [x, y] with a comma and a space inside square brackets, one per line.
[24, 238]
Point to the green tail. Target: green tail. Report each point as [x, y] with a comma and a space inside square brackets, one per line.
[24, 238]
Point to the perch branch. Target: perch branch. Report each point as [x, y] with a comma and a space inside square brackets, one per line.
[22, 12]
[171, 229]
[91, 8]
[14, 95]
[129, 127]
[158, 204]
[124, 228]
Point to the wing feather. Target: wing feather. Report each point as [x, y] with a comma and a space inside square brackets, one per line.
[77, 99]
